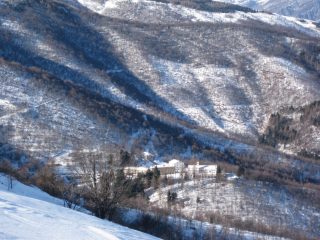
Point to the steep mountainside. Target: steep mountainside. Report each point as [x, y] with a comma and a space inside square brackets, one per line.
[294, 127]
[309, 9]
[159, 76]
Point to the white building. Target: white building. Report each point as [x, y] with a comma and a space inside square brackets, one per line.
[134, 171]
[178, 165]
[148, 156]
[202, 170]
[173, 167]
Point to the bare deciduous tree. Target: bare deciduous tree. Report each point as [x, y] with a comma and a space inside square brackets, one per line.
[103, 184]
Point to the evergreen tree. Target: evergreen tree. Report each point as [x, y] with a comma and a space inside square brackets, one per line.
[120, 177]
[110, 159]
[171, 196]
[135, 187]
[125, 158]
[149, 176]
[219, 170]
[156, 177]
[241, 171]
[219, 173]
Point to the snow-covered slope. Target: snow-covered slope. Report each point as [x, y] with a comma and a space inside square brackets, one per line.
[243, 200]
[27, 213]
[189, 79]
[142, 74]
[309, 9]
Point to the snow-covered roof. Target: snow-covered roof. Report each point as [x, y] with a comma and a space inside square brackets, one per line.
[136, 168]
[174, 161]
[147, 154]
[202, 167]
[213, 167]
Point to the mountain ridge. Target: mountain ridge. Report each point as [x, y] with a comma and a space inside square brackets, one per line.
[171, 83]
[308, 9]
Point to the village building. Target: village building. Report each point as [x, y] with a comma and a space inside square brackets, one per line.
[175, 166]
[166, 170]
[134, 171]
[198, 170]
[178, 165]
[148, 156]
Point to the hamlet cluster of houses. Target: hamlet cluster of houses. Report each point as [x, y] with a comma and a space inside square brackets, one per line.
[176, 168]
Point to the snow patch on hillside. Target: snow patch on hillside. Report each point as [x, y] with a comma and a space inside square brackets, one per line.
[30, 214]
[309, 9]
[241, 199]
[6, 105]
[211, 95]
[202, 84]
[21, 189]
[165, 12]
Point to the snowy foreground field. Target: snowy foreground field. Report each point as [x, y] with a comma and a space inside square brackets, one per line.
[28, 213]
